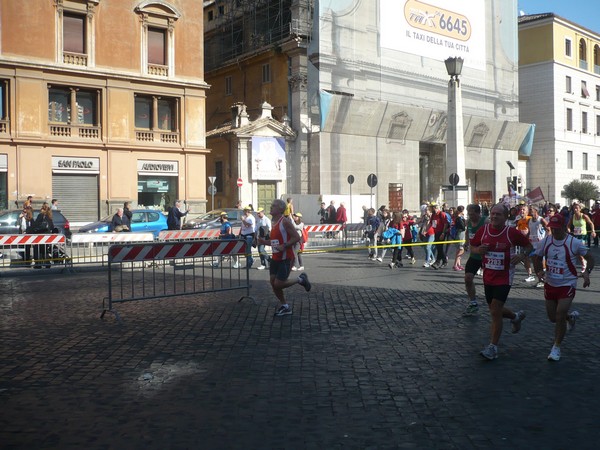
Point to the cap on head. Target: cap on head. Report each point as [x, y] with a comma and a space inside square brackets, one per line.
[247, 208]
[261, 210]
[298, 214]
[434, 204]
[556, 221]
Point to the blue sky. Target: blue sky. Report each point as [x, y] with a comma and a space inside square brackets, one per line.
[582, 12]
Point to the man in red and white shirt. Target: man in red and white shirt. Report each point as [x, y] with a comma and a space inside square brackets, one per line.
[496, 243]
[562, 253]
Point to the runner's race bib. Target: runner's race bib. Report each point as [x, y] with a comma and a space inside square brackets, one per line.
[494, 260]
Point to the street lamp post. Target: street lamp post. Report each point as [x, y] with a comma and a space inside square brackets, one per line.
[455, 142]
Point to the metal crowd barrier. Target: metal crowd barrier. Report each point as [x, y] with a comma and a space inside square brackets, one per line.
[33, 250]
[168, 269]
[182, 235]
[92, 248]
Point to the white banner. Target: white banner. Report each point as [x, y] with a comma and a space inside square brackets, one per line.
[436, 29]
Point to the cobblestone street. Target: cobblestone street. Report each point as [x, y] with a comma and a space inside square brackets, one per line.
[370, 358]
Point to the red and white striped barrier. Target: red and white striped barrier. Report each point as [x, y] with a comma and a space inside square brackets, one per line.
[188, 234]
[172, 235]
[167, 251]
[322, 228]
[31, 239]
[96, 238]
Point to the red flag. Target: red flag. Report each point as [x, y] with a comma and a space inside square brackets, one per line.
[536, 195]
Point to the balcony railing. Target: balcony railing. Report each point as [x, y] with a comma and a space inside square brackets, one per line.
[597, 69]
[155, 69]
[583, 64]
[165, 137]
[69, 131]
[4, 126]
[77, 59]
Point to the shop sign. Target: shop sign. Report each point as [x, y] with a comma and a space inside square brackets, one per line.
[148, 167]
[69, 164]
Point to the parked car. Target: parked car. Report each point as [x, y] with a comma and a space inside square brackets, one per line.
[210, 220]
[9, 222]
[142, 221]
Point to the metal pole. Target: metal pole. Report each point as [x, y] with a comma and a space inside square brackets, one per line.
[371, 197]
[454, 196]
[213, 200]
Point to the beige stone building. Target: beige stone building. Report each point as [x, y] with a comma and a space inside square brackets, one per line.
[102, 101]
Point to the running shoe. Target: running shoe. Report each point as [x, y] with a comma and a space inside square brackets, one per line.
[490, 352]
[426, 264]
[516, 322]
[392, 265]
[303, 281]
[236, 266]
[571, 319]
[294, 268]
[283, 311]
[301, 268]
[413, 260]
[261, 267]
[530, 278]
[554, 353]
[378, 259]
[540, 284]
[471, 309]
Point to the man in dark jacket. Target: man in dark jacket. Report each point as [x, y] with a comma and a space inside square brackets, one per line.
[175, 215]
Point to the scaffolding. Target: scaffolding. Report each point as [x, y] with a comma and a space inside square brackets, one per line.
[241, 27]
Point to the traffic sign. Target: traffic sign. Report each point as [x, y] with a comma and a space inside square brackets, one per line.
[453, 179]
[212, 180]
[372, 180]
[350, 179]
[212, 190]
[240, 182]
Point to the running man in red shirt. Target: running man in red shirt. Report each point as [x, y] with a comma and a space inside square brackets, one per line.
[496, 243]
[283, 238]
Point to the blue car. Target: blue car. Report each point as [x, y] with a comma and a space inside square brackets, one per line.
[142, 221]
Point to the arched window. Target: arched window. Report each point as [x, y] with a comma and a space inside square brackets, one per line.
[158, 19]
[597, 59]
[582, 54]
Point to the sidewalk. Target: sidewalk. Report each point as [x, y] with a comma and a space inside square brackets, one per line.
[370, 358]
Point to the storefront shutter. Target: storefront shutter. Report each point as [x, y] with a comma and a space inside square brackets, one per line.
[77, 196]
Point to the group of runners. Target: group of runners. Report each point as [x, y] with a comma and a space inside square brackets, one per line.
[497, 247]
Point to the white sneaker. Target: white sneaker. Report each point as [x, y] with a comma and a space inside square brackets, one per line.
[301, 268]
[413, 260]
[426, 264]
[540, 284]
[236, 266]
[490, 352]
[261, 267]
[554, 353]
[530, 278]
[516, 322]
[378, 259]
[294, 268]
[571, 319]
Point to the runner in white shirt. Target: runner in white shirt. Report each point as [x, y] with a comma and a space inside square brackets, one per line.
[562, 252]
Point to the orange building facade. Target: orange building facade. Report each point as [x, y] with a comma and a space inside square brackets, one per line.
[102, 101]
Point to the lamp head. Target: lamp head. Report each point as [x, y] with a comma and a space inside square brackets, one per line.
[454, 66]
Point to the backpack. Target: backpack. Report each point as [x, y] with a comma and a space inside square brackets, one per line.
[304, 235]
